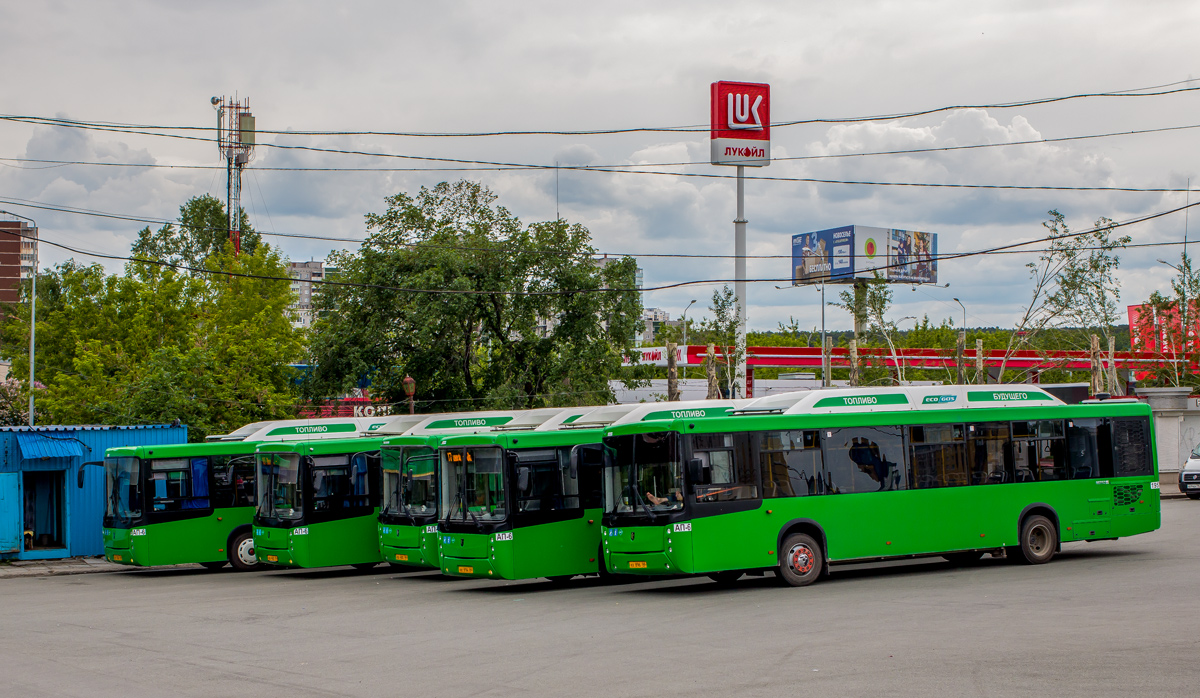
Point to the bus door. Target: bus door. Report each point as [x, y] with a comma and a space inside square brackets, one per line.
[728, 527]
[874, 518]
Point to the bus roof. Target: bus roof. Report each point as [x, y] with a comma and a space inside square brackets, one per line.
[320, 446]
[892, 399]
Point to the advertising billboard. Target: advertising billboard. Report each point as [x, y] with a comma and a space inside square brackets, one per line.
[841, 255]
[740, 124]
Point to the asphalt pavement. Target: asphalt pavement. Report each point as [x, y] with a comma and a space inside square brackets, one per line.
[1103, 619]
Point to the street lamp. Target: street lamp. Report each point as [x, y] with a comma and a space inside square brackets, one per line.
[32, 308]
[410, 387]
[964, 312]
[1183, 328]
[683, 319]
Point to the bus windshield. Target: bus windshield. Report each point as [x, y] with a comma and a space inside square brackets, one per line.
[642, 474]
[473, 485]
[279, 494]
[122, 489]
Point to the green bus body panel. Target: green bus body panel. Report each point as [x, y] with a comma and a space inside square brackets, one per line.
[349, 541]
[874, 525]
[559, 548]
[204, 539]
[416, 546]
[193, 540]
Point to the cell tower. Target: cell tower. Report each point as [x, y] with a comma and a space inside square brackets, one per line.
[235, 140]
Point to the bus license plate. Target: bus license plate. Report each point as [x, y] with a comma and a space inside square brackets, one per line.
[462, 569]
[637, 565]
[117, 558]
[401, 557]
[272, 558]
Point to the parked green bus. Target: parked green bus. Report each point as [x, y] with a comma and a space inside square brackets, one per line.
[318, 503]
[408, 534]
[521, 504]
[796, 482]
[192, 503]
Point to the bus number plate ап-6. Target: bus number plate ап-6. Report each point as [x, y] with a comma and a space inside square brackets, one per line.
[272, 558]
[463, 569]
[637, 565]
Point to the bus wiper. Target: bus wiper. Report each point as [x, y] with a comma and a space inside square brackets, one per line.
[478, 526]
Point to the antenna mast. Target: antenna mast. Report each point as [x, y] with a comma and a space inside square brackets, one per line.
[235, 140]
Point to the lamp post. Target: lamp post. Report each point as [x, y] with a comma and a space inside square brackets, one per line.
[410, 387]
[964, 308]
[683, 319]
[32, 309]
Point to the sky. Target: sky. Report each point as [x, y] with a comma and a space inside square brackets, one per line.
[457, 67]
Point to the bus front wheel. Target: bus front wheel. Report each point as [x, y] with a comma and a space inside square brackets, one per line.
[1039, 539]
[241, 552]
[800, 560]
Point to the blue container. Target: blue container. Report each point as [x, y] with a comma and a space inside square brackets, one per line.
[43, 514]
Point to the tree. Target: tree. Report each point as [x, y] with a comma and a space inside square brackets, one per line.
[480, 309]
[203, 230]
[722, 330]
[152, 344]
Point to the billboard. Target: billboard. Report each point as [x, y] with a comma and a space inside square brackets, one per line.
[841, 255]
[740, 124]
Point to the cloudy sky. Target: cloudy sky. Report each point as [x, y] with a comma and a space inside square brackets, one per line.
[470, 67]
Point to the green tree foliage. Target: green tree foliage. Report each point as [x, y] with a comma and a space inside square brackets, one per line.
[202, 230]
[151, 344]
[482, 344]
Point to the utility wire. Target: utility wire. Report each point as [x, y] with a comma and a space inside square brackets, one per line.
[829, 156]
[693, 128]
[939, 258]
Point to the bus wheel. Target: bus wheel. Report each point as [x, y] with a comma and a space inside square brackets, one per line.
[964, 559]
[241, 553]
[364, 565]
[800, 560]
[1039, 538]
[727, 578]
[213, 565]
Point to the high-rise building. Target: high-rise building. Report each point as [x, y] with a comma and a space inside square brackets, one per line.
[303, 274]
[18, 247]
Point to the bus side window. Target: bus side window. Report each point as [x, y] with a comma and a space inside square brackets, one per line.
[222, 481]
[987, 453]
[733, 475]
[938, 455]
[1039, 451]
[1083, 459]
[1131, 446]
[864, 459]
[790, 463]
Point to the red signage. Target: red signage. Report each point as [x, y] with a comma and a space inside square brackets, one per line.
[741, 123]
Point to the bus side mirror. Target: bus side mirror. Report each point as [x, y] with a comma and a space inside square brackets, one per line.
[522, 479]
[574, 467]
[79, 475]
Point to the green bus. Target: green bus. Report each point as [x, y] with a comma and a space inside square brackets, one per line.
[318, 503]
[799, 481]
[407, 525]
[192, 503]
[525, 503]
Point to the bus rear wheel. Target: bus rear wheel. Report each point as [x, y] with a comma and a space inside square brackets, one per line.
[241, 553]
[800, 560]
[1039, 539]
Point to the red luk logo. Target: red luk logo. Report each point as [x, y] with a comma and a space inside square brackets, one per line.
[741, 110]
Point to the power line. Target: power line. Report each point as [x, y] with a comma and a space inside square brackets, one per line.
[518, 167]
[149, 129]
[939, 258]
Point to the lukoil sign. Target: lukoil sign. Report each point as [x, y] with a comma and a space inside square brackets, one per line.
[741, 123]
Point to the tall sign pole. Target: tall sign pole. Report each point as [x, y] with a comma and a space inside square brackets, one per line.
[740, 135]
[235, 140]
